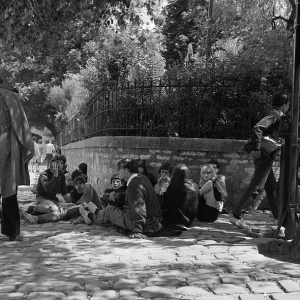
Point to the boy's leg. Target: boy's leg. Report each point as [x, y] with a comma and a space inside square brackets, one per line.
[263, 166]
[272, 194]
[115, 216]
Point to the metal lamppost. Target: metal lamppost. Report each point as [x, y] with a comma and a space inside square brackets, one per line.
[293, 148]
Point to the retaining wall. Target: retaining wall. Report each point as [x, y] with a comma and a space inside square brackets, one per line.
[103, 153]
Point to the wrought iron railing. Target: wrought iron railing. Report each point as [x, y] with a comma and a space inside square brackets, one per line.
[168, 108]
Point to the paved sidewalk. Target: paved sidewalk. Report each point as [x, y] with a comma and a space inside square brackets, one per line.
[78, 262]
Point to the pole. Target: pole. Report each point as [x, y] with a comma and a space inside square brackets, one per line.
[293, 163]
[209, 29]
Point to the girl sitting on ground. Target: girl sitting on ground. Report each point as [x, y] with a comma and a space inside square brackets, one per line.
[211, 195]
[180, 200]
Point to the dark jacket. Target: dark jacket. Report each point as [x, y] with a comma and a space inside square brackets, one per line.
[180, 204]
[142, 201]
[48, 185]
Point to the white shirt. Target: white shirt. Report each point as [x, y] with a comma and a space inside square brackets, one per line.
[50, 148]
[131, 177]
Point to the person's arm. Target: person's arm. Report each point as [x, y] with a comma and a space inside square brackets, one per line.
[87, 194]
[137, 206]
[49, 185]
[206, 188]
[260, 128]
[63, 186]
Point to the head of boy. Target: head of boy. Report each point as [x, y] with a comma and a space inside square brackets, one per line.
[126, 168]
[59, 160]
[79, 183]
[115, 181]
[165, 170]
[215, 164]
[281, 101]
[142, 166]
[83, 168]
[34, 138]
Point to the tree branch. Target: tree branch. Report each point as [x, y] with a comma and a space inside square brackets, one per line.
[281, 18]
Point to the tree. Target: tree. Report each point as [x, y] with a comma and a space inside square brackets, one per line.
[43, 41]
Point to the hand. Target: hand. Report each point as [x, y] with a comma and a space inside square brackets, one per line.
[60, 198]
[255, 154]
[139, 236]
[54, 169]
[112, 196]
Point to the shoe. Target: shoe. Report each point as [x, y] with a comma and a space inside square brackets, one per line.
[92, 207]
[238, 222]
[29, 219]
[85, 214]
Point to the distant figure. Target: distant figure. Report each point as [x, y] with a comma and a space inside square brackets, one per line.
[143, 170]
[16, 150]
[39, 158]
[50, 150]
[33, 161]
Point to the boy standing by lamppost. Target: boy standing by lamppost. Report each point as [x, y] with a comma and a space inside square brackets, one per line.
[264, 145]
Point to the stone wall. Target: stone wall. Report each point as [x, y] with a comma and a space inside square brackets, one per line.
[103, 153]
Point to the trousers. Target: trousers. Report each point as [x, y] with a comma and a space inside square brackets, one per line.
[116, 216]
[10, 220]
[263, 178]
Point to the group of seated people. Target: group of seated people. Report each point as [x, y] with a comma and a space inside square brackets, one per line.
[136, 202]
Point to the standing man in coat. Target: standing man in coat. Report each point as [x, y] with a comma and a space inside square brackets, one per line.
[16, 150]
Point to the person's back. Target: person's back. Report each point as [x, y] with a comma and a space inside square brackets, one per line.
[180, 204]
[142, 183]
[50, 148]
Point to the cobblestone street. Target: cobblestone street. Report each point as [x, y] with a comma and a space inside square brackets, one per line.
[76, 262]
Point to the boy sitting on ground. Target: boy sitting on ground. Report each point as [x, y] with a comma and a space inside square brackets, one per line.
[116, 194]
[141, 213]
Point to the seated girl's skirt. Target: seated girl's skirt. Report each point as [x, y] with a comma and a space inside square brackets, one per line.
[205, 212]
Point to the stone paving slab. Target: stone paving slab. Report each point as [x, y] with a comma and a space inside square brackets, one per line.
[78, 262]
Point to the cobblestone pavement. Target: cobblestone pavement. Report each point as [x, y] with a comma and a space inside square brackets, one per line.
[77, 262]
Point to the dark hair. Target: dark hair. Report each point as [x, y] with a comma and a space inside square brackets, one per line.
[166, 166]
[1, 81]
[130, 164]
[34, 138]
[83, 168]
[58, 157]
[115, 176]
[81, 178]
[214, 162]
[76, 173]
[279, 99]
[181, 177]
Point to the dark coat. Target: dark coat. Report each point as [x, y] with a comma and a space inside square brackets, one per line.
[16, 145]
[142, 201]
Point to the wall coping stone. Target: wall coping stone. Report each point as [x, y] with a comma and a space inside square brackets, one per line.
[177, 144]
